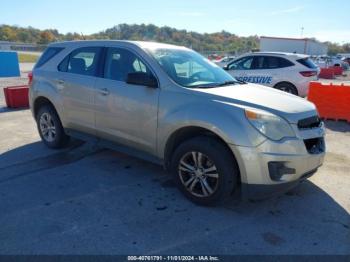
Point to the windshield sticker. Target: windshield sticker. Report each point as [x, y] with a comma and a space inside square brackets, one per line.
[256, 79]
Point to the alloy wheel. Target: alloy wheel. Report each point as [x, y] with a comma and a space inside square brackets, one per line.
[47, 127]
[198, 174]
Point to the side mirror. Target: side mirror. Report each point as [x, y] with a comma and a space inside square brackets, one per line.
[225, 68]
[142, 79]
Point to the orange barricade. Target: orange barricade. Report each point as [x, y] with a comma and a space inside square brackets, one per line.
[327, 73]
[332, 101]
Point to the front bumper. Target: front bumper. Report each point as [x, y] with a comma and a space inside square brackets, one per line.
[298, 161]
[256, 191]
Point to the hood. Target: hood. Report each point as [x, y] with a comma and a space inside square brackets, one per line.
[288, 106]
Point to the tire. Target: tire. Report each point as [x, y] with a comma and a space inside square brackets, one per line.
[50, 128]
[287, 87]
[219, 162]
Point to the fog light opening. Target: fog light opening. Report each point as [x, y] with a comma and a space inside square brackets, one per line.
[277, 169]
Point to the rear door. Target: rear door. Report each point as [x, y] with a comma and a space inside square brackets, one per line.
[263, 70]
[279, 70]
[75, 82]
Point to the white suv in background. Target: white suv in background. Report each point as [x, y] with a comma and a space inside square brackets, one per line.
[288, 72]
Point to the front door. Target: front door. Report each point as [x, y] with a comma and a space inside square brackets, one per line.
[126, 113]
[241, 68]
[252, 69]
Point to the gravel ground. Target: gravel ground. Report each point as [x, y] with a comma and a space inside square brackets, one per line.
[86, 200]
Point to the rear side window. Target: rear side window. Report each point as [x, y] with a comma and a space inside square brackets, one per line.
[270, 62]
[82, 61]
[284, 62]
[47, 55]
[307, 62]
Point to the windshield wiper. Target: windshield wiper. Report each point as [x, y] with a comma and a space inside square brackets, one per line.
[213, 85]
[202, 86]
[231, 82]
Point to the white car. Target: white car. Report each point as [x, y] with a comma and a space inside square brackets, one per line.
[288, 72]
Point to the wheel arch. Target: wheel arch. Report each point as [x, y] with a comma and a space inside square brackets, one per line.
[287, 82]
[41, 101]
[185, 133]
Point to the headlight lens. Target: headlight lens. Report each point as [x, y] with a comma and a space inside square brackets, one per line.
[270, 125]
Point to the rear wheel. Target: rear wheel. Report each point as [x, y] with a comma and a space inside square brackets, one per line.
[287, 87]
[204, 170]
[50, 127]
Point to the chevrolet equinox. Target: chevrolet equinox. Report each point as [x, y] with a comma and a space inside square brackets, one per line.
[168, 104]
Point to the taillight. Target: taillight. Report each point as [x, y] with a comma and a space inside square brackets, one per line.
[308, 73]
[30, 78]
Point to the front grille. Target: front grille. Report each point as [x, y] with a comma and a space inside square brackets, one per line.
[310, 122]
[315, 145]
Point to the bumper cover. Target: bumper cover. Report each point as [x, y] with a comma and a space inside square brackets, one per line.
[253, 162]
[256, 191]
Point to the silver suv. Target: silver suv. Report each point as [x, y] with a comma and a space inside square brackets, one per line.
[170, 105]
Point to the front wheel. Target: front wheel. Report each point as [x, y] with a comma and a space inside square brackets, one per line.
[205, 170]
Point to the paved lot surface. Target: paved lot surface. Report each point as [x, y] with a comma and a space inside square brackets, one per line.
[87, 200]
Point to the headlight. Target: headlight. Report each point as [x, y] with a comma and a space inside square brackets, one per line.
[269, 124]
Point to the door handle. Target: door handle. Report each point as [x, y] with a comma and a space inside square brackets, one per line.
[60, 81]
[104, 91]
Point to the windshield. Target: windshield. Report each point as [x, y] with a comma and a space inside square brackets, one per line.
[190, 69]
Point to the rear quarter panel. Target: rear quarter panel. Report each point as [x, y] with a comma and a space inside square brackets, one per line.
[43, 85]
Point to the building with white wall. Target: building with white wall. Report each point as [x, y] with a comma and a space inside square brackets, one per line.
[292, 45]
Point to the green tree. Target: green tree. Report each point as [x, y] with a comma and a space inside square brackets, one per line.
[8, 33]
[220, 41]
[46, 37]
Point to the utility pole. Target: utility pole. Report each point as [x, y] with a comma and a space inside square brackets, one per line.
[302, 32]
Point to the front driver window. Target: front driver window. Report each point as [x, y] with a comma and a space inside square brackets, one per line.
[241, 64]
[120, 62]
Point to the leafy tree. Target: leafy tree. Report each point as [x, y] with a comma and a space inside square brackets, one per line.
[46, 37]
[7, 33]
[215, 42]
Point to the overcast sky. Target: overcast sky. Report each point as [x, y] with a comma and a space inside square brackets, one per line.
[325, 20]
